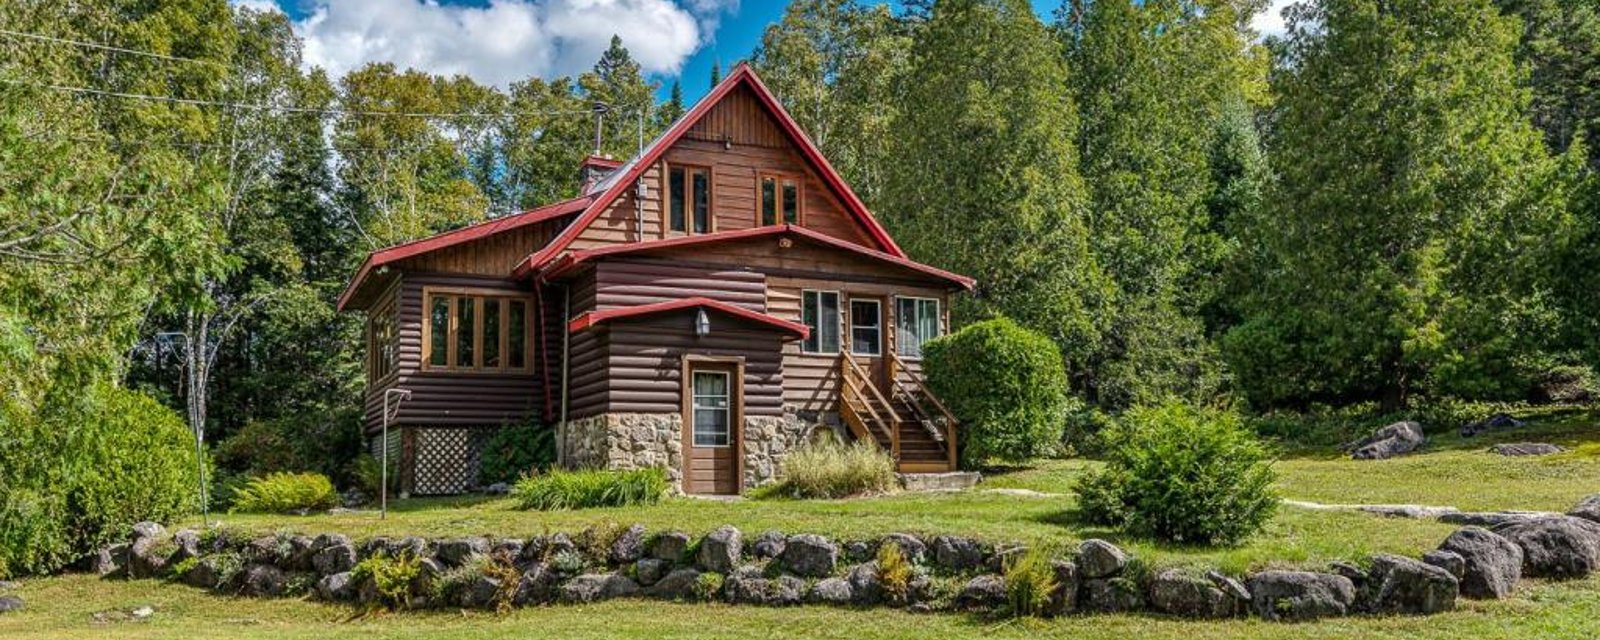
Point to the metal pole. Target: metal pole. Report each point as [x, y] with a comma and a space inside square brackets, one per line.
[199, 439]
[383, 488]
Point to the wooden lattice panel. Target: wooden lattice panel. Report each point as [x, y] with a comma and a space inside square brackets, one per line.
[442, 458]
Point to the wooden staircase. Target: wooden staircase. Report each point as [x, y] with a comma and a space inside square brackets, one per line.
[905, 419]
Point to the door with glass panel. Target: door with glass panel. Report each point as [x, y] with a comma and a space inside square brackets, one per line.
[712, 438]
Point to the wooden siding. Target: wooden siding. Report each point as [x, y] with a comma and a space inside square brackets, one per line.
[627, 283]
[741, 119]
[493, 256]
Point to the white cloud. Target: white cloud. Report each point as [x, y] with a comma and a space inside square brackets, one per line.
[1270, 21]
[504, 40]
[264, 6]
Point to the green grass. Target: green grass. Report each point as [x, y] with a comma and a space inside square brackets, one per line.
[65, 607]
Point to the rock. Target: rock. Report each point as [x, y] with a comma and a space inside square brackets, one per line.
[412, 546]
[834, 591]
[720, 550]
[913, 548]
[1356, 575]
[1295, 596]
[1175, 593]
[1525, 449]
[1560, 547]
[1496, 422]
[429, 572]
[336, 556]
[263, 581]
[1406, 586]
[783, 591]
[374, 546]
[678, 585]
[983, 593]
[210, 572]
[497, 489]
[865, 584]
[267, 550]
[1411, 511]
[188, 543]
[456, 551]
[1003, 555]
[1450, 561]
[957, 554]
[1393, 440]
[593, 587]
[536, 586]
[809, 556]
[1493, 518]
[1064, 599]
[481, 593]
[1110, 595]
[628, 547]
[301, 550]
[9, 604]
[1235, 589]
[8, 585]
[336, 587]
[147, 558]
[670, 546]
[649, 570]
[1588, 509]
[147, 529]
[140, 613]
[110, 561]
[507, 550]
[1100, 559]
[768, 545]
[857, 551]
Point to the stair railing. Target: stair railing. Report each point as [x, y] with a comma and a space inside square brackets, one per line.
[925, 394]
[855, 379]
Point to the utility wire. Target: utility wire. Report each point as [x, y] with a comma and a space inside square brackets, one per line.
[106, 47]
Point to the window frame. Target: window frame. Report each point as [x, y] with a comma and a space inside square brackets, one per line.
[688, 198]
[878, 352]
[938, 323]
[478, 296]
[838, 322]
[383, 356]
[727, 408]
[778, 180]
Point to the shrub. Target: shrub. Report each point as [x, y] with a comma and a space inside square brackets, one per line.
[828, 469]
[894, 570]
[366, 475]
[286, 492]
[1029, 579]
[1005, 383]
[1565, 384]
[560, 489]
[708, 586]
[517, 450]
[1181, 474]
[391, 576]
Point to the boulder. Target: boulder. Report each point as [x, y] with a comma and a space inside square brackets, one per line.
[147, 529]
[263, 581]
[336, 587]
[957, 554]
[865, 584]
[1405, 586]
[809, 556]
[267, 550]
[1295, 596]
[1235, 589]
[858, 551]
[768, 545]
[497, 489]
[628, 547]
[1175, 593]
[375, 546]
[593, 587]
[678, 585]
[1356, 575]
[507, 550]
[1588, 509]
[1064, 599]
[1496, 422]
[1450, 561]
[983, 593]
[188, 546]
[1003, 555]
[1492, 518]
[147, 557]
[1560, 547]
[834, 591]
[481, 593]
[782, 591]
[211, 572]
[1393, 440]
[720, 550]
[456, 551]
[1525, 449]
[913, 548]
[670, 546]
[1110, 595]
[111, 560]
[1100, 559]
[9, 604]
[649, 570]
[536, 586]
[301, 549]
[336, 556]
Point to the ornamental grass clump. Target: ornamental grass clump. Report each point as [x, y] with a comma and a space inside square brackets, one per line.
[828, 469]
[1029, 580]
[285, 493]
[1181, 474]
[561, 490]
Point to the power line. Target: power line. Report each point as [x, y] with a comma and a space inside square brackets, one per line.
[106, 47]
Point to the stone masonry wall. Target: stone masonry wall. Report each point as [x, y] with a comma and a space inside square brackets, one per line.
[767, 439]
[643, 440]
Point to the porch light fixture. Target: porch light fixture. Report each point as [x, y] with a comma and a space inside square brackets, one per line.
[702, 324]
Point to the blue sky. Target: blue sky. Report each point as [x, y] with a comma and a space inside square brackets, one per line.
[500, 41]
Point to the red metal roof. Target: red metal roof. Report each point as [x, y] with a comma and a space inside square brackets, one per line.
[741, 75]
[576, 258]
[457, 236]
[591, 318]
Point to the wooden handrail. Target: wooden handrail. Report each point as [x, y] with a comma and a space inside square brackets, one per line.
[923, 387]
[854, 377]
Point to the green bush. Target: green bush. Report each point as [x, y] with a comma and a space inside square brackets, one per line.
[515, 451]
[1007, 385]
[1029, 580]
[286, 492]
[392, 577]
[561, 489]
[1181, 474]
[828, 469]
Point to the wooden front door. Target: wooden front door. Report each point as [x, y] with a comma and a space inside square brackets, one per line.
[711, 433]
[869, 336]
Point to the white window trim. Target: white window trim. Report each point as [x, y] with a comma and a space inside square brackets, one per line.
[837, 299]
[938, 314]
[694, 408]
[877, 353]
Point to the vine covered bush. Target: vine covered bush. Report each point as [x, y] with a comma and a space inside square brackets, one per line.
[1182, 474]
[286, 492]
[515, 451]
[1006, 384]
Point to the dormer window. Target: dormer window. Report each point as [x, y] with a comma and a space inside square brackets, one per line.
[780, 195]
[688, 199]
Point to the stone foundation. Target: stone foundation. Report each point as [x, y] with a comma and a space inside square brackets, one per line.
[643, 440]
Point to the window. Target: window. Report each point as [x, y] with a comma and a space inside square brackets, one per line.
[780, 194]
[916, 322]
[710, 409]
[866, 328]
[820, 312]
[383, 343]
[689, 199]
[476, 332]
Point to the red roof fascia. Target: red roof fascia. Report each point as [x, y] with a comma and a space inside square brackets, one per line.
[573, 260]
[457, 236]
[602, 161]
[741, 74]
[592, 318]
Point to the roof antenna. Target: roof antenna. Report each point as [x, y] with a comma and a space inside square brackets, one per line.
[599, 124]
